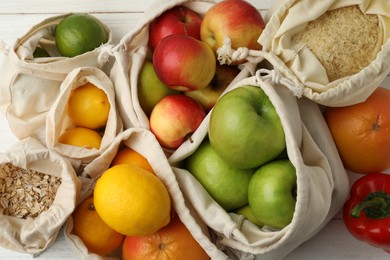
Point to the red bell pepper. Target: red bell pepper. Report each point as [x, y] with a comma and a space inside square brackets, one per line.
[366, 213]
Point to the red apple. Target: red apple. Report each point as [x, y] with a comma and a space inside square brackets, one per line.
[209, 95]
[174, 118]
[236, 19]
[177, 20]
[184, 63]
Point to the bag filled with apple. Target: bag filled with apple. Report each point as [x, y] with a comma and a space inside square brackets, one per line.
[39, 189]
[33, 68]
[135, 148]
[166, 68]
[336, 51]
[263, 171]
[83, 120]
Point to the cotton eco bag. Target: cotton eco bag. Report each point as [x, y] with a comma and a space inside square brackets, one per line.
[337, 49]
[131, 53]
[143, 142]
[58, 121]
[30, 85]
[322, 182]
[46, 189]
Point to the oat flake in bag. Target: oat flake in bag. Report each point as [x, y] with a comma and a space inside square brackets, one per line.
[46, 189]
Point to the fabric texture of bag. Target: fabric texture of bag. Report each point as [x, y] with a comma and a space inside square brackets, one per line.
[144, 142]
[33, 235]
[30, 85]
[57, 120]
[322, 182]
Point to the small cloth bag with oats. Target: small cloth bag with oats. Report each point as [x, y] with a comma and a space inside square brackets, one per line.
[322, 182]
[336, 51]
[39, 190]
[143, 142]
[29, 84]
[58, 120]
[131, 53]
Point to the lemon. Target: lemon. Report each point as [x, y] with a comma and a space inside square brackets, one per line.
[79, 33]
[88, 106]
[132, 201]
[82, 137]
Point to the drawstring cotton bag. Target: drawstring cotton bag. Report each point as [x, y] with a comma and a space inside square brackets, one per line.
[289, 21]
[30, 85]
[46, 190]
[131, 53]
[58, 120]
[322, 182]
[143, 142]
[335, 51]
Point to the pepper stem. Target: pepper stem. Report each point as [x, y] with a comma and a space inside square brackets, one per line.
[375, 205]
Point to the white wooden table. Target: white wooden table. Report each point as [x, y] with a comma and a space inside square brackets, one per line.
[17, 16]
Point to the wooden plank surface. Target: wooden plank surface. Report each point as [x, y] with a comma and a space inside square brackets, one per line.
[17, 16]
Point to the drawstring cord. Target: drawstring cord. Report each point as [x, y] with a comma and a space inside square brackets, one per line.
[275, 77]
[226, 55]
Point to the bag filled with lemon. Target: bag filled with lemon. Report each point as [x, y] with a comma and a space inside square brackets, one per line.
[34, 66]
[83, 120]
[39, 191]
[132, 193]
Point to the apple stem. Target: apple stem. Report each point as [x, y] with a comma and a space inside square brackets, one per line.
[189, 137]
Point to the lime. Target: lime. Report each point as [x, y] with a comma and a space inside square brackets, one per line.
[79, 33]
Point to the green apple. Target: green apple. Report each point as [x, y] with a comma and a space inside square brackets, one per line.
[150, 89]
[245, 129]
[226, 184]
[247, 212]
[272, 193]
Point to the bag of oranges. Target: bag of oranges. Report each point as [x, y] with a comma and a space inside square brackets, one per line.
[133, 72]
[83, 120]
[223, 172]
[135, 159]
[33, 67]
[336, 51]
[39, 190]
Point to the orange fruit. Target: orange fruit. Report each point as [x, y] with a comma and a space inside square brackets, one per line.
[79, 33]
[130, 156]
[82, 137]
[361, 132]
[88, 106]
[91, 229]
[131, 200]
[173, 242]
